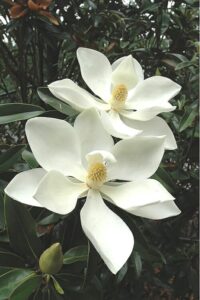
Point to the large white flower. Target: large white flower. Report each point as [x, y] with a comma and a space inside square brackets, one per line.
[83, 161]
[127, 103]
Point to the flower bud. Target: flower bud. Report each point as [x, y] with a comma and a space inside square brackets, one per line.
[51, 260]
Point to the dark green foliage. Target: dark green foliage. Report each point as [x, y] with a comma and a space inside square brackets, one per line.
[17, 112]
[33, 52]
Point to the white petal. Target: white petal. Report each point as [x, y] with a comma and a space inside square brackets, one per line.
[110, 236]
[157, 211]
[151, 92]
[148, 113]
[137, 158]
[55, 145]
[69, 92]
[96, 71]
[132, 195]
[91, 133]
[23, 186]
[115, 126]
[155, 127]
[127, 71]
[58, 194]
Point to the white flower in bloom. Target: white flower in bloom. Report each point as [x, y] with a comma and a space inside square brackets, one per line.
[83, 161]
[127, 103]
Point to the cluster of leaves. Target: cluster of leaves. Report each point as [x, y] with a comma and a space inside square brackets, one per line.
[162, 35]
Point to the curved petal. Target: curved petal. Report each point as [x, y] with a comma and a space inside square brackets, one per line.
[155, 127]
[115, 126]
[91, 133]
[131, 195]
[69, 92]
[127, 71]
[137, 158]
[24, 185]
[155, 91]
[148, 113]
[96, 71]
[55, 145]
[58, 194]
[110, 236]
[157, 211]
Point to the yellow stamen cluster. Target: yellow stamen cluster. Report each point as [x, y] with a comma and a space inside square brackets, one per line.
[96, 175]
[119, 96]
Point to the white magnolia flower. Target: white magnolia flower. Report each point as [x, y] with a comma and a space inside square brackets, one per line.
[83, 161]
[128, 104]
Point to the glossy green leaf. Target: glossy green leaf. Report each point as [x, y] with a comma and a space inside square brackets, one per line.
[57, 286]
[188, 118]
[2, 217]
[69, 281]
[138, 234]
[46, 96]
[92, 264]
[26, 288]
[9, 259]
[17, 284]
[122, 273]
[137, 262]
[51, 219]
[21, 230]
[10, 157]
[165, 22]
[194, 281]
[12, 112]
[75, 254]
[30, 159]
[184, 64]
[163, 177]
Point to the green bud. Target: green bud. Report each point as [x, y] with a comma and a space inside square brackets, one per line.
[51, 260]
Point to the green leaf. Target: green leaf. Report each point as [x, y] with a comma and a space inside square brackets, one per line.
[51, 219]
[2, 218]
[57, 286]
[17, 284]
[184, 64]
[21, 230]
[92, 264]
[10, 157]
[137, 262]
[46, 96]
[173, 59]
[12, 112]
[9, 259]
[75, 254]
[163, 177]
[69, 281]
[188, 118]
[138, 234]
[158, 253]
[30, 159]
[149, 7]
[165, 22]
[194, 281]
[48, 292]
[122, 273]
[26, 288]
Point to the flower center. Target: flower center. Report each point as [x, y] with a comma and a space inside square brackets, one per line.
[96, 175]
[119, 96]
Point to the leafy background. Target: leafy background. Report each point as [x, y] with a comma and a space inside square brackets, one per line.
[163, 36]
